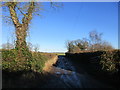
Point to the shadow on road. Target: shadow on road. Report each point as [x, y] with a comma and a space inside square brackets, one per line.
[67, 73]
[62, 75]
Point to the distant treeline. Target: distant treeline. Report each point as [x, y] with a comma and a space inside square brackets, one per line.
[94, 43]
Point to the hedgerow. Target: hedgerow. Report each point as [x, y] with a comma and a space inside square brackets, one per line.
[10, 63]
[110, 60]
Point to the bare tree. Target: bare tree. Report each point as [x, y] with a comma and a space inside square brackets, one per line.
[30, 46]
[70, 46]
[94, 43]
[97, 43]
[21, 14]
[95, 38]
[21, 25]
[7, 46]
[36, 48]
[82, 43]
[106, 46]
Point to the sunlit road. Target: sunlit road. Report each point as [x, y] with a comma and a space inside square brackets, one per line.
[67, 77]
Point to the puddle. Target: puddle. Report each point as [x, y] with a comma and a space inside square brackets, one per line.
[67, 73]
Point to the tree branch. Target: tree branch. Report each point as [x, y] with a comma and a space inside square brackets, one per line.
[20, 10]
[5, 16]
[1, 5]
[28, 15]
[13, 14]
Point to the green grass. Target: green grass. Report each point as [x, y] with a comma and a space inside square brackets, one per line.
[60, 53]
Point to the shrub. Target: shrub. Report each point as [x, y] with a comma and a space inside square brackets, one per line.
[8, 59]
[109, 60]
[8, 55]
[38, 61]
[10, 63]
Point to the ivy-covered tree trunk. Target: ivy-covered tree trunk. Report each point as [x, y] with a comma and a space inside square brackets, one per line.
[21, 45]
[23, 54]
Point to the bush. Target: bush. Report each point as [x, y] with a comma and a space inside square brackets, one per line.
[8, 55]
[10, 63]
[8, 59]
[110, 60]
[38, 62]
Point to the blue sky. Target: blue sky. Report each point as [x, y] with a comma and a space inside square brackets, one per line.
[70, 22]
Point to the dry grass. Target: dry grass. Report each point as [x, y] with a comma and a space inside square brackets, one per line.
[50, 63]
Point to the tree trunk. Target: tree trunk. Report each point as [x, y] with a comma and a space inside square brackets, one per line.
[23, 53]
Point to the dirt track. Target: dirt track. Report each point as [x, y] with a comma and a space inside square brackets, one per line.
[65, 76]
